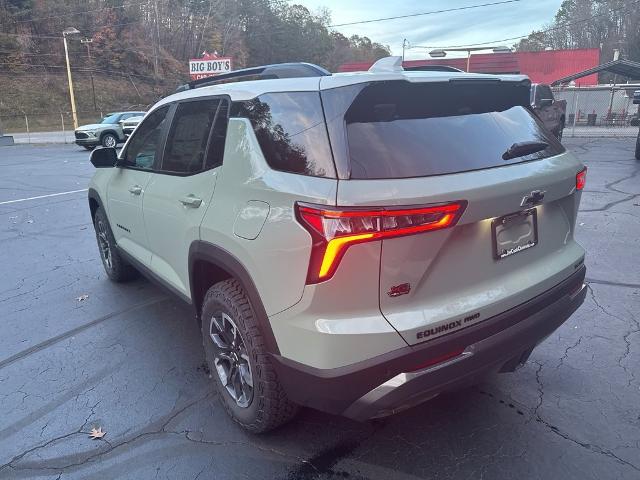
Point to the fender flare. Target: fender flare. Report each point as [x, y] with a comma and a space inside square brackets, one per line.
[93, 194]
[221, 258]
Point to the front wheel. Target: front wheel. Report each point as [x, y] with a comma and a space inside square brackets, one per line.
[235, 352]
[115, 266]
[109, 140]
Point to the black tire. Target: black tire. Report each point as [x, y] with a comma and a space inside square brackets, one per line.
[638, 147]
[116, 267]
[262, 405]
[89, 147]
[109, 140]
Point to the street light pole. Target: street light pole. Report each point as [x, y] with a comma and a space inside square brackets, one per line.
[404, 44]
[70, 31]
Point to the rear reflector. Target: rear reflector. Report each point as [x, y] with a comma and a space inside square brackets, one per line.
[439, 359]
[333, 230]
[581, 179]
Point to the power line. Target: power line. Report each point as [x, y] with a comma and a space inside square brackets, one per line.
[559, 27]
[468, 7]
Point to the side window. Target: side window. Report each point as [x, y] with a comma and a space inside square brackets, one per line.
[218, 136]
[142, 148]
[545, 92]
[291, 131]
[188, 136]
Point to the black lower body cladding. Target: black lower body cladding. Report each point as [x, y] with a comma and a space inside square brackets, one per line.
[497, 344]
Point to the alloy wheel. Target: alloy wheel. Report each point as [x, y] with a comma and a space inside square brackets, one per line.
[231, 359]
[109, 141]
[103, 244]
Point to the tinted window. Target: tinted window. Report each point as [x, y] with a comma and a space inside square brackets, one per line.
[399, 130]
[188, 136]
[111, 119]
[544, 92]
[143, 145]
[291, 131]
[218, 136]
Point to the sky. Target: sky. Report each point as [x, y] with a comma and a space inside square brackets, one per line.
[465, 27]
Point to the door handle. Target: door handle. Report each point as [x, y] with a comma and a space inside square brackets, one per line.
[135, 190]
[191, 201]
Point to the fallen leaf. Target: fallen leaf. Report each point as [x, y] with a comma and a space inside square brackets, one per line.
[97, 433]
[82, 297]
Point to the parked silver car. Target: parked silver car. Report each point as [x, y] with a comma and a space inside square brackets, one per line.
[108, 132]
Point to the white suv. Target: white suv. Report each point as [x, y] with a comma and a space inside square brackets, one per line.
[357, 243]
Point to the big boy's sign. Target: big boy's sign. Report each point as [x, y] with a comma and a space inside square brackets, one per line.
[202, 68]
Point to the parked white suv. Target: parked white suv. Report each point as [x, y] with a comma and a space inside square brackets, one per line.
[357, 243]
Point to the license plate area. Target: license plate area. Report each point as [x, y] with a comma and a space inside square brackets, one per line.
[514, 233]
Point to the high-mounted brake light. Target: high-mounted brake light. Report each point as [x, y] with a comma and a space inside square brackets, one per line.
[581, 179]
[334, 230]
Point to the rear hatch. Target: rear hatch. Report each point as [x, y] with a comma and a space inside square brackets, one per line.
[473, 143]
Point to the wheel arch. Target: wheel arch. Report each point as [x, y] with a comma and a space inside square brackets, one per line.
[94, 203]
[112, 132]
[210, 264]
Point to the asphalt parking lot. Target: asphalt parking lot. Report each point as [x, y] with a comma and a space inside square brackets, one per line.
[77, 352]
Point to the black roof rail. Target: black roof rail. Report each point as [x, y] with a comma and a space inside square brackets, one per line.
[277, 70]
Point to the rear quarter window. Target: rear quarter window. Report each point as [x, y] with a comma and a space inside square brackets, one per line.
[291, 131]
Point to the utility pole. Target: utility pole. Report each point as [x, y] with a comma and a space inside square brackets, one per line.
[70, 31]
[88, 42]
[156, 50]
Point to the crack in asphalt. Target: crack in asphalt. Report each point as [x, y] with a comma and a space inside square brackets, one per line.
[612, 283]
[58, 338]
[609, 186]
[111, 447]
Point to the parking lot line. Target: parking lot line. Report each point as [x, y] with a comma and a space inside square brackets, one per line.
[43, 196]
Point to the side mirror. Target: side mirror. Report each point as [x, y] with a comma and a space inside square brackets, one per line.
[546, 102]
[636, 97]
[104, 157]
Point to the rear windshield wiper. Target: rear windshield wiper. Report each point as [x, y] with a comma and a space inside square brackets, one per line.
[521, 149]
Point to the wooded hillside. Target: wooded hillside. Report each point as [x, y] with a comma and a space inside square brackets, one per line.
[604, 24]
[146, 43]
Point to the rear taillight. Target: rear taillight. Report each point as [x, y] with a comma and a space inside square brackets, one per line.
[581, 178]
[334, 230]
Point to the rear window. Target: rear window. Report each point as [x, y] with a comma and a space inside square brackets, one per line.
[291, 131]
[399, 129]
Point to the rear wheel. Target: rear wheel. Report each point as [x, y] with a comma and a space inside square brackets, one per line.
[115, 266]
[246, 382]
[109, 140]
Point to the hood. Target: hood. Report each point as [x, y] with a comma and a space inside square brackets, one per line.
[93, 126]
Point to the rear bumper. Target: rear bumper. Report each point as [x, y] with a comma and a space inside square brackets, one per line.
[388, 384]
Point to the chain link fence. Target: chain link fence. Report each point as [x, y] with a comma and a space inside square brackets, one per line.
[52, 127]
[600, 111]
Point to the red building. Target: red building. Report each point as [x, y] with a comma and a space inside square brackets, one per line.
[541, 67]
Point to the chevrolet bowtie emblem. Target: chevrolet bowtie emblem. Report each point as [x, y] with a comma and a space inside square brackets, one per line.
[533, 198]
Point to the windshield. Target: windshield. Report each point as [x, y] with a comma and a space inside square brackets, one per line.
[113, 118]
